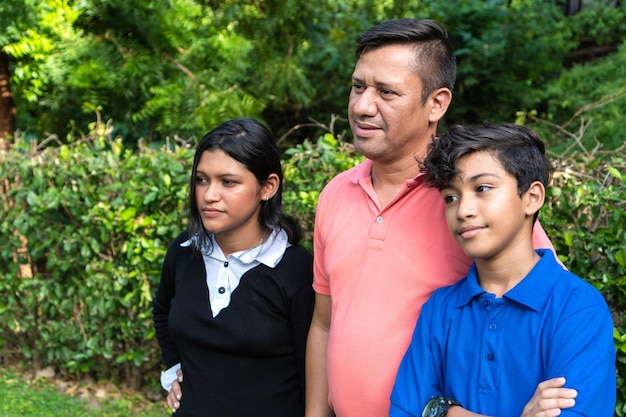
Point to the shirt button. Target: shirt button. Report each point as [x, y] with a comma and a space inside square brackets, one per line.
[491, 357]
[486, 303]
[379, 219]
[221, 290]
[226, 264]
[492, 327]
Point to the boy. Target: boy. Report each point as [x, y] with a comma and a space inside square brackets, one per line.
[506, 339]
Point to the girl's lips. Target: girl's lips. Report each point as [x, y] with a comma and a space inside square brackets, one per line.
[207, 212]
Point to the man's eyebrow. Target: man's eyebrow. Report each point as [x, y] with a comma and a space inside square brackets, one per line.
[379, 84]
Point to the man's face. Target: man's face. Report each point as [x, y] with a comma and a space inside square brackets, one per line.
[385, 109]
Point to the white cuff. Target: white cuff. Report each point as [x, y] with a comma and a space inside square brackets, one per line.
[168, 376]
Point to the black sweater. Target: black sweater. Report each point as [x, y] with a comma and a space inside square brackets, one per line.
[249, 359]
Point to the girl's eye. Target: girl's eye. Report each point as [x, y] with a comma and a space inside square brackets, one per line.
[228, 183]
[201, 180]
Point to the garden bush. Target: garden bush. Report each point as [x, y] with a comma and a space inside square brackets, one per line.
[585, 217]
[85, 227]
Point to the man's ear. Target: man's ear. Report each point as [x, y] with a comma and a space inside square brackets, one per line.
[439, 101]
[535, 197]
[270, 188]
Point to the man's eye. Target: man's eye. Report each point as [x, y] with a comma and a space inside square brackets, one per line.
[357, 87]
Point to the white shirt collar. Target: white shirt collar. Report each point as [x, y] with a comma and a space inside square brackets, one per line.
[268, 253]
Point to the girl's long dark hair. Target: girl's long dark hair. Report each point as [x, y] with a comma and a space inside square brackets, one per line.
[253, 145]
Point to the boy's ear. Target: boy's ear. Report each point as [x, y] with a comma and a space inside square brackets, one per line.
[535, 197]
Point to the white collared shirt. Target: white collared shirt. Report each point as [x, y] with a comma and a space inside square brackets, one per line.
[224, 274]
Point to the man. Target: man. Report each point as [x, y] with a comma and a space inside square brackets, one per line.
[381, 241]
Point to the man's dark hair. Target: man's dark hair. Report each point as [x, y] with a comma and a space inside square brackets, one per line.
[435, 62]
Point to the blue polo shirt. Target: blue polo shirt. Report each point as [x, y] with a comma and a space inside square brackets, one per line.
[490, 353]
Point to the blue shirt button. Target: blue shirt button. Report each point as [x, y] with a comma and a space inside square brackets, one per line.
[491, 357]
[492, 327]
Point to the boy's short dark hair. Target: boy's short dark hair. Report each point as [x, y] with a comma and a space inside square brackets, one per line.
[519, 149]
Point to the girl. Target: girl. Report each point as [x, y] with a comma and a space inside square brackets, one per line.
[235, 299]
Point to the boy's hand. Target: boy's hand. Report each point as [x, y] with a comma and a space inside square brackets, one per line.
[550, 398]
[175, 394]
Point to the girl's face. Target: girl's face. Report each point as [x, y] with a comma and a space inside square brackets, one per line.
[229, 199]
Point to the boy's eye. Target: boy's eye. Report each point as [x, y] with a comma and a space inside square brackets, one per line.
[449, 198]
[483, 188]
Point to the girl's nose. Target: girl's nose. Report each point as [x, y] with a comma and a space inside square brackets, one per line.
[211, 193]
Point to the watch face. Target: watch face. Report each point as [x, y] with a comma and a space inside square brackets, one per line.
[432, 409]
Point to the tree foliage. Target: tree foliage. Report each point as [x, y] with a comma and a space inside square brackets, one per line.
[162, 68]
[588, 106]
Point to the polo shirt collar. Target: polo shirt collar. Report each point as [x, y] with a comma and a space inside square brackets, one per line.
[533, 291]
[361, 171]
[364, 171]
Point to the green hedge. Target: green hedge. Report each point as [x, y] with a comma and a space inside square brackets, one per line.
[85, 227]
[84, 230]
[585, 217]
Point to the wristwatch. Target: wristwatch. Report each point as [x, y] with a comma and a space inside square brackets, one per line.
[438, 406]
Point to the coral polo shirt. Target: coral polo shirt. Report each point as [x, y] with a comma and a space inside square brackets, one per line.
[379, 265]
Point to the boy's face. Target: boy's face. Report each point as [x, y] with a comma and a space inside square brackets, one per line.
[484, 211]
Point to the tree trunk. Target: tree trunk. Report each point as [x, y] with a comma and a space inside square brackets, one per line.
[7, 105]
